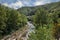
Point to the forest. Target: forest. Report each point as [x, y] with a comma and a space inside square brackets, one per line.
[45, 18]
[10, 20]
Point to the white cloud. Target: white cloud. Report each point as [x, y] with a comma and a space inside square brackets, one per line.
[38, 3]
[20, 3]
[14, 5]
[5, 4]
[17, 4]
[41, 2]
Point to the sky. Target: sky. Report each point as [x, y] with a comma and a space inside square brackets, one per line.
[21, 3]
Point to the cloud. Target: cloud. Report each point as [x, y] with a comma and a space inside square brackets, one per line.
[19, 3]
[15, 5]
[27, 2]
[42, 2]
[38, 3]
[5, 4]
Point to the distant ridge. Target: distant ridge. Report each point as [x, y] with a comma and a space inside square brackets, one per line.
[31, 10]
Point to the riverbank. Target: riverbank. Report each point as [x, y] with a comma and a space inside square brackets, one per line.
[21, 34]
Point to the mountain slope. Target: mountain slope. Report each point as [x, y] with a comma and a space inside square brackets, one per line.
[49, 7]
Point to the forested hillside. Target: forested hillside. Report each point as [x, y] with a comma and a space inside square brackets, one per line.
[10, 20]
[46, 19]
[49, 7]
[47, 22]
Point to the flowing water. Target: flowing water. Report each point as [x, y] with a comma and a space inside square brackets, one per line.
[31, 29]
[26, 35]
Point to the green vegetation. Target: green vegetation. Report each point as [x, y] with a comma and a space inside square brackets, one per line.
[45, 18]
[31, 10]
[47, 22]
[10, 20]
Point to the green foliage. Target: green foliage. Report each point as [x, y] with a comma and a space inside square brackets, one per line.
[44, 19]
[40, 17]
[42, 33]
[10, 20]
[49, 7]
[45, 15]
[28, 11]
[44, 25]
[44, 22]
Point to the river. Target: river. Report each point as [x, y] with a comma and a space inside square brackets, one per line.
[30, 29]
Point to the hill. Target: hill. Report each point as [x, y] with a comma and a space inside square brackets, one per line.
[49, 7]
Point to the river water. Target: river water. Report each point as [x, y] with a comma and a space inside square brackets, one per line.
[31, 29]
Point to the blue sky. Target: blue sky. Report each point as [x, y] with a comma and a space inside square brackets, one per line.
[20, 3]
